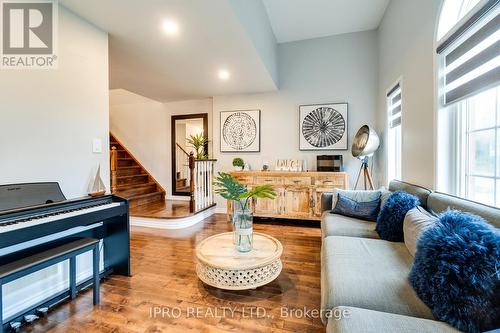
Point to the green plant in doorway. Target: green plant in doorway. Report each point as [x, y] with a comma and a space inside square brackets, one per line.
[198, 142]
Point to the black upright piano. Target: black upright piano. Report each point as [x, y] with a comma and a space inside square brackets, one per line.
[37, 216]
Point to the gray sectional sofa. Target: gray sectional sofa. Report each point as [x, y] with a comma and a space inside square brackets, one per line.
[367, 276]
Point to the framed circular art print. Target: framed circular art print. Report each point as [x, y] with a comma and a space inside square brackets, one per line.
[240, 131]
[323, 127]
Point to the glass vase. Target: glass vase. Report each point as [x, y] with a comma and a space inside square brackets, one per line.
[242, 227]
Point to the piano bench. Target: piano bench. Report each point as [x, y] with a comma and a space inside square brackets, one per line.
[25, 266]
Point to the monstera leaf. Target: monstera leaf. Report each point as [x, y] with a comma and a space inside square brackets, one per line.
[261, 192]
[228, 187]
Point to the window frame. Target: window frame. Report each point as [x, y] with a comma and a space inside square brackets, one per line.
[453, 173]
[397, 164]
[464, 110]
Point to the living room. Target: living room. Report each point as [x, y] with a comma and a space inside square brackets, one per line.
[256, 166]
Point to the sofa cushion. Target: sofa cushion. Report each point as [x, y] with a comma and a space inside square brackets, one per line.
[369, 321]
[339, 225]
[370, 274]
[416, 221]
[440, 202]
[420, 192]
[385, 194]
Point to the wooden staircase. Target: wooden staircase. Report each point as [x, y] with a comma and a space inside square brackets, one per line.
[130, 180]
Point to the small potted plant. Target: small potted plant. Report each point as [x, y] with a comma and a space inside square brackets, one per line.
[230, 189]
[238, 164]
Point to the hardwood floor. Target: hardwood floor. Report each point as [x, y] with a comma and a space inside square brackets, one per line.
[164, 279]
[163, 209]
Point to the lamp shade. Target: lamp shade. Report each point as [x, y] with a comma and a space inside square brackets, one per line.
[365, 142]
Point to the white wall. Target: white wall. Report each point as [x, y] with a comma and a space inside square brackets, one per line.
[49, 117]
[143, 126]
[406, 50]
[253, 17]
[325, 70]
[48, 121]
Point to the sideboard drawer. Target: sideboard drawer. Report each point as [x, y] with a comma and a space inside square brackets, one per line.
[303, 181]
[268, 180]
[244, 179]
[331, 181]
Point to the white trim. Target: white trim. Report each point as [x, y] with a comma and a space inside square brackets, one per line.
[179, 197]
[220, 210]
[399, 82]
[179, 223]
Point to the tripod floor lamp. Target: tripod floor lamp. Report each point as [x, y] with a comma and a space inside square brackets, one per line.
[364, 145]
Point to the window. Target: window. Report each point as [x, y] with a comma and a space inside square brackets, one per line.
[480, 148]
[452, 12]
[394, 110]
[469, 87]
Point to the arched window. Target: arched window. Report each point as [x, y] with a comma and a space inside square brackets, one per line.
[468, 129]
[451, 13]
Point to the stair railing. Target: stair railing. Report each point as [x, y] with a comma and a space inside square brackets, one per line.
[114, 169]
[182, 161]
[201, 184]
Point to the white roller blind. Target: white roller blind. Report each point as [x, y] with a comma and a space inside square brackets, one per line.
[471, 54]
[394, 106]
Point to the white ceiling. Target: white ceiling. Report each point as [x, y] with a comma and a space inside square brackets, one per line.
[294, 20]
[144, 60]
[213, 34]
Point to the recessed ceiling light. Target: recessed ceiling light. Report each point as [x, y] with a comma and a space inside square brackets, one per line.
[224, 74]
[170, 27]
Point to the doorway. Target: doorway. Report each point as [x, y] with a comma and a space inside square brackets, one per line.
[184, 128]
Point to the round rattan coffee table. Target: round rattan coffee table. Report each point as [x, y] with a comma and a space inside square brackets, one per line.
[220, 265]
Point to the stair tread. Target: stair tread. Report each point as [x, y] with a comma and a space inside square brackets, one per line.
[132, 176]
[125, 187]
[147, 195]
[142, 186]
[129, 167]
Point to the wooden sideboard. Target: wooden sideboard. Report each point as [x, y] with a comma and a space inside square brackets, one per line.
[299, 193]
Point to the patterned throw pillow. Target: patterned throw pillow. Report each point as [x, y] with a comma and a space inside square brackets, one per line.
[361, 210]
[356, 195]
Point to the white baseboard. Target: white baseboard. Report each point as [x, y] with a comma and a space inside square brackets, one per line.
[178, 197]
[220, 210]
[179, 223]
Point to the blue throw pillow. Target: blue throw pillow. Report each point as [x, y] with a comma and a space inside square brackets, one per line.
[391, 217]
[457, 271]
[362, 210]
